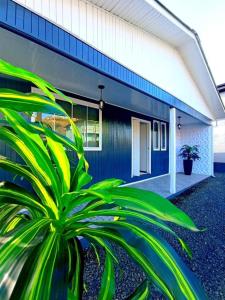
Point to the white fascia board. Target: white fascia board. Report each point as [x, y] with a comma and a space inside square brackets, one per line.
[170, 17]
[199, 69]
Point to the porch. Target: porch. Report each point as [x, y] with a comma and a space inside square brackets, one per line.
[161, 184]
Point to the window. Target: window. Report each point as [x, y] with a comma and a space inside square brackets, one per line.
[156, 135]
[87, 116]
[163, 137]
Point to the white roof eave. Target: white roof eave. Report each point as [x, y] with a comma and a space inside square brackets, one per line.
[156, 19]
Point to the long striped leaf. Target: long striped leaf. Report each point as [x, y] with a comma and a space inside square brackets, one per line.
[28, 102]
[181, 286]
[134, 253]
[62, 163]
[44, 196]
[13, 194]
[104, 244]
[15, 245]
[107, 290]
[34, 158]
[38, 284]
[8, 212]
[141, 293]
[11, 70]
[80, 176]
[117, 213]
[75, 292]
[151, 203]
[107, 184]
[13, 223]
[18, 123]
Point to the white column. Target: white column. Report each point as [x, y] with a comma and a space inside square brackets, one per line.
[211, 151]
[172, 151]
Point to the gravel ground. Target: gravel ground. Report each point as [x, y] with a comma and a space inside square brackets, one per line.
[205, 204]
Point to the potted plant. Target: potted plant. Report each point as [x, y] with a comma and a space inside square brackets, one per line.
[189, 154]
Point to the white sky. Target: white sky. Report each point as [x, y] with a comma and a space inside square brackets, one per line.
[207, 17]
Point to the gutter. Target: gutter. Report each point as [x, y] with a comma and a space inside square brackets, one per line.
[199, 44]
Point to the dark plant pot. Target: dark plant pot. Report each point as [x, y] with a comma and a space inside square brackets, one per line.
[187, 163]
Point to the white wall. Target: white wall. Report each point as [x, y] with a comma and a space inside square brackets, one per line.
[129, 45]
[219, 141]
[197, 134]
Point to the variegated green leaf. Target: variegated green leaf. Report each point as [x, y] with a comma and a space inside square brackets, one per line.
[29, 102]
[13, 194]
[8, 69]
[62, 163]
[39, 282]
[44, 196]
[76, 289]
[150, 203]
[107, 290]
[141, 293]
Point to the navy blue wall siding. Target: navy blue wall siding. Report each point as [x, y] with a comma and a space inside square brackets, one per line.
[115, 158]
[219, 167]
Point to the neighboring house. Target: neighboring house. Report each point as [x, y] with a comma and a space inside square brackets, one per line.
[152, 67]
[219, 137]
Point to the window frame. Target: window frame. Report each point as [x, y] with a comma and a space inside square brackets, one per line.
[161, 125]
[154, 140]
[84, 103]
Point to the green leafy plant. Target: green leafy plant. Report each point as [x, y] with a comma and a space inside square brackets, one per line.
[41, 255]
[189, 152]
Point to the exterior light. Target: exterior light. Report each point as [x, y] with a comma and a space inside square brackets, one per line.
[101, 101]
[179, 124]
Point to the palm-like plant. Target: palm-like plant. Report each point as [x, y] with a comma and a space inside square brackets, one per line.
[40, 230]
[189, 152]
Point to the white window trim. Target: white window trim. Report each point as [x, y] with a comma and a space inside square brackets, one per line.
[162, 148]
[156, 148]
[84, 103]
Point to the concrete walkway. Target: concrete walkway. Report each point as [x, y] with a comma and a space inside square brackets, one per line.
[161, 185]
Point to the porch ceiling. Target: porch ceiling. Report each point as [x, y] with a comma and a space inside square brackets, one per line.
[187, 119]
[76, 78]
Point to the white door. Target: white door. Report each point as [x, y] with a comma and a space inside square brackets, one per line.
[135, 147]
[141, 147]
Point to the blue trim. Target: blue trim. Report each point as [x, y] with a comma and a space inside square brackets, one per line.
[20, 20]
[219, 167]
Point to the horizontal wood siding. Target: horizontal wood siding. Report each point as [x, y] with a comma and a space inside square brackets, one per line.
[115, 158]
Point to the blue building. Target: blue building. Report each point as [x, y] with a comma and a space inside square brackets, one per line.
[151, 65]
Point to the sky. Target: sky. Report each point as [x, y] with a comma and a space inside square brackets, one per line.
[207, 17]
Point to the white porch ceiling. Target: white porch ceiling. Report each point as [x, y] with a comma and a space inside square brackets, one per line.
[148, 15]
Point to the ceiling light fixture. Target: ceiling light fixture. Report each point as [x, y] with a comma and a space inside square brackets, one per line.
[101, 102]
[179, 123]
